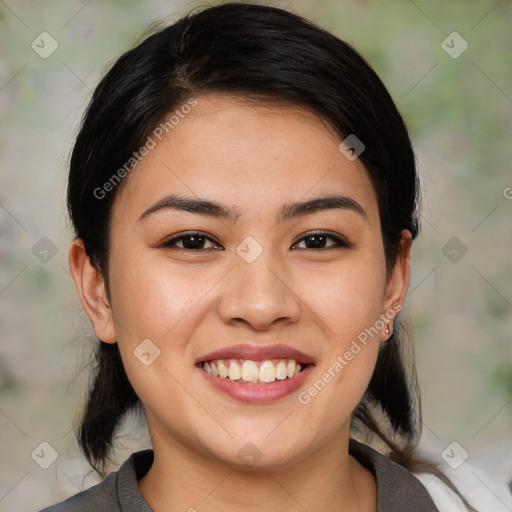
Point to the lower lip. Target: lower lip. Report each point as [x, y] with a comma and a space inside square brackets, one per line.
[258, 393]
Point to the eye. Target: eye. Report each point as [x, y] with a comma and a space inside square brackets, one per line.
[318, 240]
[194, 241]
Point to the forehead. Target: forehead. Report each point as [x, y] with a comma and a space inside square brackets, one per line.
[248, 156]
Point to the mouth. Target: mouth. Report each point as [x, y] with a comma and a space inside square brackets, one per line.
[256, 374]
[247, 371]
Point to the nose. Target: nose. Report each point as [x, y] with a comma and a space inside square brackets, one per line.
[259, 294]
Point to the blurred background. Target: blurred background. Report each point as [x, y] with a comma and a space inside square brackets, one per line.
[447, 66]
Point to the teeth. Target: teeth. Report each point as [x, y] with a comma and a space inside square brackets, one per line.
[250, 371]
[290, 368]
[255, 372]
[235, 372]
[223, 371]
[281, 370]
[267, 372]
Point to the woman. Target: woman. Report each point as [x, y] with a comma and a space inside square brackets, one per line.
[244, 196]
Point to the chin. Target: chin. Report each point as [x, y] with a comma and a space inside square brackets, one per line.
[259, 453]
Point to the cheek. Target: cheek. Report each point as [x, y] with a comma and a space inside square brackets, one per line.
[158, 302]
[349, 304]
[163, 305]
[347, 298]
[346, 370]
[153, 301]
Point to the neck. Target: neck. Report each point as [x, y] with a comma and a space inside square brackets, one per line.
[326, 479]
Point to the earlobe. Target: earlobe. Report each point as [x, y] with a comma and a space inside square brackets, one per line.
[90, 286]
[398, 283]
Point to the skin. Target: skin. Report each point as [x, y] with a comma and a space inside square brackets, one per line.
[251, 159]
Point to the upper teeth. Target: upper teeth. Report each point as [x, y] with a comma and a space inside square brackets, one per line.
[253, 371]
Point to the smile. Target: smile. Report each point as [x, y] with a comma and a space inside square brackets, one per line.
[253, 372]
[274, 386]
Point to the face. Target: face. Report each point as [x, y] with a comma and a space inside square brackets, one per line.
[253, 278]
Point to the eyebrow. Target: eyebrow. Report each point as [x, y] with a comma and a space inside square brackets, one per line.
[288, 211]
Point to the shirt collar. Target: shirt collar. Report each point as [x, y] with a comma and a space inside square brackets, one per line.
[397, 488]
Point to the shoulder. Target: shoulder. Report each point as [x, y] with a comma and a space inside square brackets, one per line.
[483, 492]
[118, 492]
[397, 488]
[101, 496]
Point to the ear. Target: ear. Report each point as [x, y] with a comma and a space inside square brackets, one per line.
[90, 285]
[397, 284]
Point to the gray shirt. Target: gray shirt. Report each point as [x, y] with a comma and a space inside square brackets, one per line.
[398, 490]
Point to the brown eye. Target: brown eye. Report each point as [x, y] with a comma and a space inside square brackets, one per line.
[190, 241]
[318, 240]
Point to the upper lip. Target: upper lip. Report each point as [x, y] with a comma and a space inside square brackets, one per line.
[257, 353]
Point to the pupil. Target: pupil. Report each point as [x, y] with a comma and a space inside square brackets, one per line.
[196, 242]
[318, 241]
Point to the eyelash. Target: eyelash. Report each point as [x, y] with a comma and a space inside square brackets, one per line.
[340, 243]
